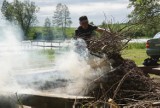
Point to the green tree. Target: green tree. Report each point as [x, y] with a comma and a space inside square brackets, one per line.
[61, 18]
[48, 30]
[7, 10]
[21, 13]
[146, 13]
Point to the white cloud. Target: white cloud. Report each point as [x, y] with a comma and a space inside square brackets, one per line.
[91, 7]
[94, 9]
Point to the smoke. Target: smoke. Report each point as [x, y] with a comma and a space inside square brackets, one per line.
[74, 67]
[9, 37]
[72, 71]
[10, 51]
[80, 68]
[15, 60]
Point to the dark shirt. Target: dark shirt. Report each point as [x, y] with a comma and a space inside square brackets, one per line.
[85, 33]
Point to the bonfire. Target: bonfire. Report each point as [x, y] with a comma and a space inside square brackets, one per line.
[125, 85]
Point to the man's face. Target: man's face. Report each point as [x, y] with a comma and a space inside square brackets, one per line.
[84, 24]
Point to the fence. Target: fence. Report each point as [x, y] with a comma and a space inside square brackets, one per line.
[43, 44]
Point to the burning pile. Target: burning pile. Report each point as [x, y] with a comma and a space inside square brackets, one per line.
[126, 84]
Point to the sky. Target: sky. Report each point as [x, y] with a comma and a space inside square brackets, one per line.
[95, 9]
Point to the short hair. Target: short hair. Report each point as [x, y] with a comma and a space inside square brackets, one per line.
[82, 18]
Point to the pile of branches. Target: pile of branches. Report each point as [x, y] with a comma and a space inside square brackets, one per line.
[126, 84]
[111, 42]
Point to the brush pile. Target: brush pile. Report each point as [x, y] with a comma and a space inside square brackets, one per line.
[126, 85]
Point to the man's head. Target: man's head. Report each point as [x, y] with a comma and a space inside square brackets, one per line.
[83, 22]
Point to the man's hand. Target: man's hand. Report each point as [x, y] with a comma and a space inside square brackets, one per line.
[101, 30]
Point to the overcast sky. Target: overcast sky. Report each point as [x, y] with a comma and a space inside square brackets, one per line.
[94, 9]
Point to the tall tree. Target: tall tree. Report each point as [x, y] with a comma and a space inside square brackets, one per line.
[48, 30]
[62, 18]
[21, 13]
[7, 10]
[146, 13]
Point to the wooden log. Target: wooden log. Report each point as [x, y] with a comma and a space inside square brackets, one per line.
[46, 100]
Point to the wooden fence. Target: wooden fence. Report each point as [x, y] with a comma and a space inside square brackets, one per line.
[43, 44]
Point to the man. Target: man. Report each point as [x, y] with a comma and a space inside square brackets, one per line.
[86, 30]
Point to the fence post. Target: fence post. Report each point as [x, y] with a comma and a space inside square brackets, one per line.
[51, 44]
[31, 44]
[59, 45]
[37, 44]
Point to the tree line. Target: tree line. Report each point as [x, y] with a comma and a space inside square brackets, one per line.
[145, 15]
[24, 15]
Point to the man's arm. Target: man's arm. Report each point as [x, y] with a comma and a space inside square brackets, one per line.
[101, 30]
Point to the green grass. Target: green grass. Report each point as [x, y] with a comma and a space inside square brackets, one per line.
[70, 32]
[135, 52]
[136, 46]
[48, 52]
[137, 55]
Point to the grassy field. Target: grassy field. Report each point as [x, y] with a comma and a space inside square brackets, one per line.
[50, 54]
[136, 52]
[136, 46]
[137, 55]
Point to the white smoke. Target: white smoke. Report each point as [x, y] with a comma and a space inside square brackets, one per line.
[14, 58]
[80, 67]
[74, 66]
[9, 36]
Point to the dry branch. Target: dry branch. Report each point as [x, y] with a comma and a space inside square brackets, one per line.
[127, 84]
